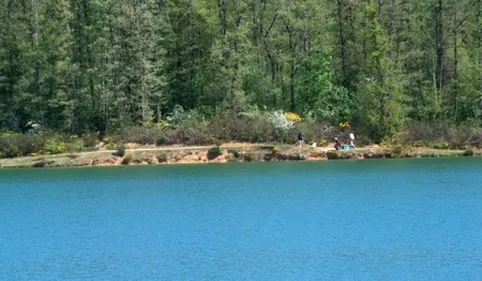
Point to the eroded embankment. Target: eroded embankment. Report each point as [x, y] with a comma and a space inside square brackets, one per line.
[221, 155]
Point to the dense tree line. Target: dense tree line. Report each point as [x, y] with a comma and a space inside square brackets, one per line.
[96, 65]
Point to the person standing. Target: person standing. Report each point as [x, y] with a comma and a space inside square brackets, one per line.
[352, 140]
[301, 138]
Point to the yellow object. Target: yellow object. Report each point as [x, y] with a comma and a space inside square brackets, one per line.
[295, 117]
[345, 124]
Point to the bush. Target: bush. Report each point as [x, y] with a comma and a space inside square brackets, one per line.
[20, 145]
[8, 149]
[140, 135]
[162, 156]
[54, 145]
[191, 133]
[476, 139]
[121, 151]
[214, 152]
[127, 159]
[244, 128]
[75, 144]
[110, 146]
[90, 140]
[28, 144]
[160, 139]
[437, 135]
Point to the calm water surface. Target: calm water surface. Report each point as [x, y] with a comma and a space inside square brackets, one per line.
[349, 220]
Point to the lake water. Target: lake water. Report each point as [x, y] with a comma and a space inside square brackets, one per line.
[417, 219]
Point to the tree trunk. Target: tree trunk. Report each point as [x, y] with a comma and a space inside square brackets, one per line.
[479, 32]
[440, 44]
[455, 74]
[273, 79]
[292, 68]
[380, 7]
[292, 85]
[342, 39]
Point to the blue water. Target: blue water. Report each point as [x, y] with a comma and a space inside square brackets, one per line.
[415, 219]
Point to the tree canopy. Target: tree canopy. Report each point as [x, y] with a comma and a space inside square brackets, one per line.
[95, 65]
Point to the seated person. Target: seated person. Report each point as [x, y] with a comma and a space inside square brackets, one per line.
[337, 144]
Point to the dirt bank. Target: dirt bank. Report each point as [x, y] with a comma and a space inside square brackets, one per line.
[225, 153]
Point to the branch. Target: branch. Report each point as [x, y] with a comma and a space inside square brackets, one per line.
[271, 25]
[455, 29]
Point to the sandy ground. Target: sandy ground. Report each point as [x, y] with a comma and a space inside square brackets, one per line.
[199, 154]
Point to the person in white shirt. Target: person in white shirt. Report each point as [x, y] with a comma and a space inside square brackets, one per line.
[352, 139]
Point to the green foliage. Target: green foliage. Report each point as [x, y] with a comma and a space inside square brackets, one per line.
[139, 135]
[469, 152]
[8, 149]
[54, 145]
[127, 159]
[438, 136]
[193, 72]
[75, 144]
[162, 156]
[15, 145]
[177, 116]
[90, 140]
[111, 146]
[279, 121]
[214, 152]
[121, 151]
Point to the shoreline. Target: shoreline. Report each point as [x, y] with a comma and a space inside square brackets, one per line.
[227, 153]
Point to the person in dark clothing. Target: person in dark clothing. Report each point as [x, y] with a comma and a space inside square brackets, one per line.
[337, 144]
[301, 138]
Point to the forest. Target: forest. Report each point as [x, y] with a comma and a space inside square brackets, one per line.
[383, 66]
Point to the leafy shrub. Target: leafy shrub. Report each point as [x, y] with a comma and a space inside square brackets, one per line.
[110, 146]
[177, 116]
[54, 145]
[476, 139]
[437, 135]
[140, 135]
[90, 140]
[121, 151]
[243, 128]
[8, 149]
[162, 156]
[214, 152]
[279, 121]
[191, 133]
[127, 159]
[160, 138]
[75, 144]
[6, 133]
[28, 143]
